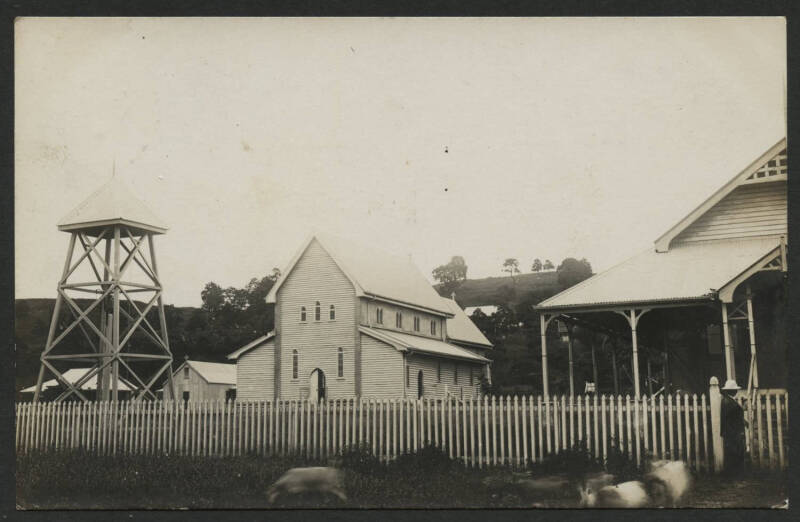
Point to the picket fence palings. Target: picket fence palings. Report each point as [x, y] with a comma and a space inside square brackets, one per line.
[509, 414]
[687, 423]
[24, 426]
[645, 425]
[214, 428]
[759, 432]
[781, 461]
[696, 431]
[532, 426]
[494, 430]
[768, 412]
[596, 422]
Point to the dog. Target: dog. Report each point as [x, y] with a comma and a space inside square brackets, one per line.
[667, 482]
[309, 480]
[631, 494]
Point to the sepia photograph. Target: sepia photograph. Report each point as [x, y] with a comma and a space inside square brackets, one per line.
[399, 263]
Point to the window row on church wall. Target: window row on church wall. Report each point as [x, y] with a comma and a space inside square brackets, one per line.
[317, 312]
[395, 317]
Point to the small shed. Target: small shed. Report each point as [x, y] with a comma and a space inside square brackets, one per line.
[203, 381]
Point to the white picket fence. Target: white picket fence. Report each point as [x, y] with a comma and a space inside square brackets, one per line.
[490, 431]
[767, 427]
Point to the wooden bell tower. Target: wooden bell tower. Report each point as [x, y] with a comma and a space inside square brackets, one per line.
[109, 314]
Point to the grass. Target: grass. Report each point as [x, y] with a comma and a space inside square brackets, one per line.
[425, 479]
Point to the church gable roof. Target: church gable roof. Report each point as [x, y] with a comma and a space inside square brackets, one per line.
[375, 274]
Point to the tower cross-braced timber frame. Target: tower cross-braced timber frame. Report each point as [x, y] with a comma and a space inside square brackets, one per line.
[122, 246]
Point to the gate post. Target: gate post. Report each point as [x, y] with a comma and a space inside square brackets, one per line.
[715, 400]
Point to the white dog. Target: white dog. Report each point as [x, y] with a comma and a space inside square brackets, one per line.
[630, 494]
[668, 481]
[303, 480]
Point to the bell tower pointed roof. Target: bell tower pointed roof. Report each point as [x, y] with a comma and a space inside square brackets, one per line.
[113, 203]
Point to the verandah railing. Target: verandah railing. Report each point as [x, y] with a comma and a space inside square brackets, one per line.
[489, 431]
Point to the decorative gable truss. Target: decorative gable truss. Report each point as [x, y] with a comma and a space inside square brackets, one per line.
[773, 170]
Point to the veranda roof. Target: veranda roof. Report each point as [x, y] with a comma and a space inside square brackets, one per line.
[691, 272]
[414, 343]
[251, 345]
[461, 328]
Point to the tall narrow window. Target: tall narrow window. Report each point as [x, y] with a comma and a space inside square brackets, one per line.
[317, 311]
[408, 376]
[186, 372]
[470, 377]
[433, 327]
[416, 323]
[302, 313]
[438, 372]
[332, 313]
[398, 320]
[341, 363]
[295, 361]
[379, 316]
[455, 374]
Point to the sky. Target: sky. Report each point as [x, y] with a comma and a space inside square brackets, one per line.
[484, 138]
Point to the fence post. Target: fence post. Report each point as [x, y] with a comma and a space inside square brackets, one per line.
[716, 429]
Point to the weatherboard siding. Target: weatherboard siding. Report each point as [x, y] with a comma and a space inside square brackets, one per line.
[255, 374]
[749, 211]
[369, 309]
[316, 277]
[196, 385]
[432, 387]
[381, 370]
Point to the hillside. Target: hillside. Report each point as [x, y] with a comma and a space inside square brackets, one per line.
[494, 290]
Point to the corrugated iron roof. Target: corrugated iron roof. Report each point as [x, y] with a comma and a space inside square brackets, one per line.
[684, 273]
[252, 344]
[461, 328]
[73, 375]
[375, 273]
[215, 373]
[112, 202]
[415, 343]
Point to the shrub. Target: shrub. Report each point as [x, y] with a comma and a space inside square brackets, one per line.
[573, 462]
[361, 460]
[425, 461]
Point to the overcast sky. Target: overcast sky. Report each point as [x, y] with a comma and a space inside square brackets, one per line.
[485, 138]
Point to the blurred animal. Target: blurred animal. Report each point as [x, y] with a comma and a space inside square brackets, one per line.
[309, 480]
[667, 482]
[595, 481]
[630, 494]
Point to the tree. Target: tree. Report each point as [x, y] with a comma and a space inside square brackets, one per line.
[548, 265]
[451, 275]
[213, 297]
[537, 265]
[511, 265]
[572, 271]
